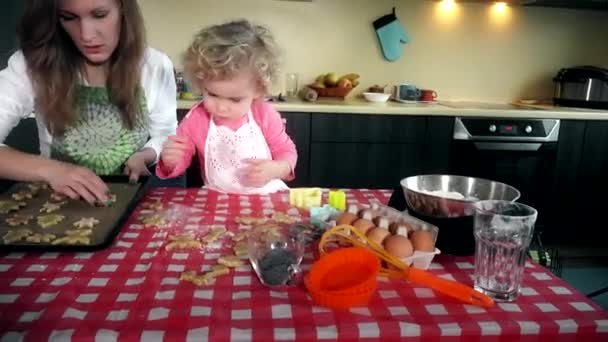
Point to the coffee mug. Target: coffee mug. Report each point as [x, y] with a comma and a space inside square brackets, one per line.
[428, 95]
[407, 92]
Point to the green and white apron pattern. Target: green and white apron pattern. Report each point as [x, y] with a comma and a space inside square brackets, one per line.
[99, 140]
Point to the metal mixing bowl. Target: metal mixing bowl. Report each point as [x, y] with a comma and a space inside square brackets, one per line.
[435, 195]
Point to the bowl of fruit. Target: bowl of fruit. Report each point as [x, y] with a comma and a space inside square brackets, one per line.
[332, 85]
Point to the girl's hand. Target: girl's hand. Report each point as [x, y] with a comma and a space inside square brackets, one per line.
[258, 172]
[174, 150]
[137, 165]
[76, 182]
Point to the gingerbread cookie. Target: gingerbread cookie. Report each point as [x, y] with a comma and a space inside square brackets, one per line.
[49, 220]
[220, 268]
[41, 238]
[206, 278]
[22, 195]
[49, 207]
[57, 197]
[75, 237]
[230, 261]
[111, 200]
[86, 222]
[240, 236]
[9, 206]
[215, 233]
[154, 206]
[281, 217]
[154, 220]
[16, 235]
[241, 249]
[18, 220]
[249, 221]
[183, 241]
[35, 188]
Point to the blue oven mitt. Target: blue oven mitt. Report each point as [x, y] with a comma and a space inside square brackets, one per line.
[391, 35]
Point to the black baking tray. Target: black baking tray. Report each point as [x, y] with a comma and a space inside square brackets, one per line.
[112, 218]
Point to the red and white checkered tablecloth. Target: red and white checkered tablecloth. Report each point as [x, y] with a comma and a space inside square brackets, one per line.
[131, 292]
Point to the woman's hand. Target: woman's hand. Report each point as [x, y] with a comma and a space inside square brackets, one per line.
[76, 182]
[258, 172]
[137, 164]
[174, 150]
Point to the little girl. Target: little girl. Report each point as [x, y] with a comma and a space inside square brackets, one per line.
[240, 139]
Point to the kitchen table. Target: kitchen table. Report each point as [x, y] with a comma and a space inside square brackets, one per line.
[131, 291]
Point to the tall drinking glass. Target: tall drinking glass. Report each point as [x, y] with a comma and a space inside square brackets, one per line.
[503, 231]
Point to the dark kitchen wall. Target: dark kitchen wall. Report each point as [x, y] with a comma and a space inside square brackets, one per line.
[10, 11]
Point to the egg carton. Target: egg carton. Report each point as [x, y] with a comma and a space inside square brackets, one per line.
[420, 259]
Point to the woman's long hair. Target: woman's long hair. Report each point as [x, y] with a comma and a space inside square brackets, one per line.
[54, 63]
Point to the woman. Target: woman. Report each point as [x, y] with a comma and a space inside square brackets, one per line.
[103, 102]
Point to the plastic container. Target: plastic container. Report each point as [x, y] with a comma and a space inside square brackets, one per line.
[420, 259]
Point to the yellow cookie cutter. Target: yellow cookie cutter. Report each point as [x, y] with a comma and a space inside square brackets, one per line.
[305, 197]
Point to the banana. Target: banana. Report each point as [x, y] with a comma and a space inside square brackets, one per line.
[320, 78]
[355, 83]
[351, 76]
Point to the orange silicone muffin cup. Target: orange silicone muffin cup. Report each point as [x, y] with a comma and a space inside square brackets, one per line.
[343, 278]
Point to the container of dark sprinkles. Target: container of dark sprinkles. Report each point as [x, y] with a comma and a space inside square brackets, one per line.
[275, 255]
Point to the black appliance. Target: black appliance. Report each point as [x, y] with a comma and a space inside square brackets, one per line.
[519, 152]
[583, 86]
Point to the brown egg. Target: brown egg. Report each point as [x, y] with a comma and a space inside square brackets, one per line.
[422, 240]
[398, 228]
[363, 225]
[367, 214]
[347, 218]
[381, 221]
[399, 246]
[378, 235]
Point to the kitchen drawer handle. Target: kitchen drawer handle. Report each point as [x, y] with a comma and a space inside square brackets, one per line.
[503, 146]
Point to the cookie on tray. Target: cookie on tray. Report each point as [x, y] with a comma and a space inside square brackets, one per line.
[86, 222]
[16, 235]
[49, 220]
[49, 207]
[10, 206]
[41, 238]
[19, 220]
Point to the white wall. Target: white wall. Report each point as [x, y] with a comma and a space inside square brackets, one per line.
[465, 55]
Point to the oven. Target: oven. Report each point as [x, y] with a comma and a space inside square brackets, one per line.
[518, 152]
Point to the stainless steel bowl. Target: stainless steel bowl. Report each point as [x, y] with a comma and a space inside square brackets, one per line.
[436, 195]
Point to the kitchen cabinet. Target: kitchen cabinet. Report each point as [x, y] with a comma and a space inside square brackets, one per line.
[589, 200]
[297, 126]
[375, 151]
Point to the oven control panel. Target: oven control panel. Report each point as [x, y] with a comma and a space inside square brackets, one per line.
[506, 129]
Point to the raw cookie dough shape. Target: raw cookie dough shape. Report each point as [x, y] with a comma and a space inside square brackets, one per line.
[19, 220]
[250, 221]
[49, 220]
[281, 217]
[16, 235]
[9, 206]
[154, 206]
[183, 241]
[49, 207]
[22, 195]
[153, 220]
[230, 261]
[41, 238]
[75, 237]
[86, 222]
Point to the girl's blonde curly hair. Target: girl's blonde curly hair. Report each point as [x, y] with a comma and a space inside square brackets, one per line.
[222, 51]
